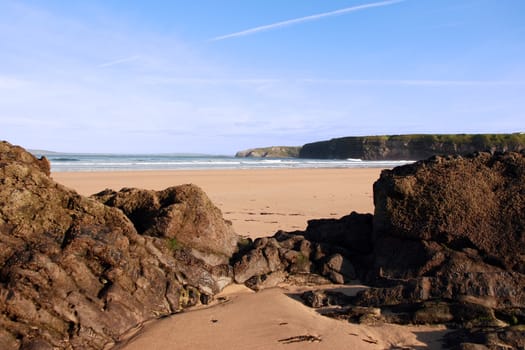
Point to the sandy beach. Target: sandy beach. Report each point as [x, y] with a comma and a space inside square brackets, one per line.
[260, 202]
[257, 202]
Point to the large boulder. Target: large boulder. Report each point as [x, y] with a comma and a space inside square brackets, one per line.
[183, 214]
[75, 273]
[475, 202]
[447, 246]
[455, 223]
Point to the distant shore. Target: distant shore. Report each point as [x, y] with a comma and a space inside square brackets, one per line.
[257, 201]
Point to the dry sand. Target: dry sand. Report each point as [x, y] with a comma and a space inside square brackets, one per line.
[273, 319]
[260, 202]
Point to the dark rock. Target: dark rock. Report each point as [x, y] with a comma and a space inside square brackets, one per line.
[487, 338]
[433, 312]
[315, 298]
[270, 152]
[269, 280]
[447, 246]
[322, 298]
[476, 202]
[253, 263]
[184, 214]
[339, 269]
[307, 279]
[74, 273]
[352, 232]
[298, 262]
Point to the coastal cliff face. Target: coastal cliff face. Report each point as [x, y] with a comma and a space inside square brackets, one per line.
[75, 273]
[411, 147]
[270, 152]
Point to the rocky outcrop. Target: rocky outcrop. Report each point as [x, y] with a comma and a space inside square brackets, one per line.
[182, 214]
[75, 273]
[270, 152]
[447, 246]
[473, 204]
[325, 252]
[10, 153]
[411, 147]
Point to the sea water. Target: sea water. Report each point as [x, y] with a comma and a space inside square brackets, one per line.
[129, 162]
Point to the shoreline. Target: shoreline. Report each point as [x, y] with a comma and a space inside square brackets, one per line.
[258, 202]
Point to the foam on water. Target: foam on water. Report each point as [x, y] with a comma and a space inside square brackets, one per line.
[120, 162]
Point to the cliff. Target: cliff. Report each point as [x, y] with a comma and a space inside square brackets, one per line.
[270, 152]
[411, 147]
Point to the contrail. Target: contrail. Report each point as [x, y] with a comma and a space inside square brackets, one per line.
[306, 19]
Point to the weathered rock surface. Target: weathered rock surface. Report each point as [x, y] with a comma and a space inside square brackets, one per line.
[476, 203]
[328, 248]
[447, 246]
[75, 273]
[183, 214]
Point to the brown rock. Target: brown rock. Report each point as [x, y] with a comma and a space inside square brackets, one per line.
[472, 202]
[253, 263]
[16, 154]
[184, 214]
[339, 269]
[75, 273]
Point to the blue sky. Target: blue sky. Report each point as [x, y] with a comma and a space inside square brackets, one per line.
[219, 76]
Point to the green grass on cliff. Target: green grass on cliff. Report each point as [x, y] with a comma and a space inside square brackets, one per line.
[480, 140]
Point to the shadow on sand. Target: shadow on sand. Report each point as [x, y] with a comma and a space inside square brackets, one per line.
[434, 339]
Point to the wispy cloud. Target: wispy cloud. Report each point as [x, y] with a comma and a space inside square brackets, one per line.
[119, 61]
[306, 19]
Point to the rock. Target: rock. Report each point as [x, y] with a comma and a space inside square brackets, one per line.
[475, 202]
[447, 246]
[307, 279]
[297, 262]
[456, 225]
[270, 280]
[322, 298]
[339, 269]
[253, 263]
[183, 214]
[352, 232]
[75, 273]
[16, 154]
[315, 298]
[270, 152]
[486, 338]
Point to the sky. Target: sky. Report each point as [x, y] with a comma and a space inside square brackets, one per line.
[215, 77]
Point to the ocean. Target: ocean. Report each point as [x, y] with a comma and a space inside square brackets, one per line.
[129, 162]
